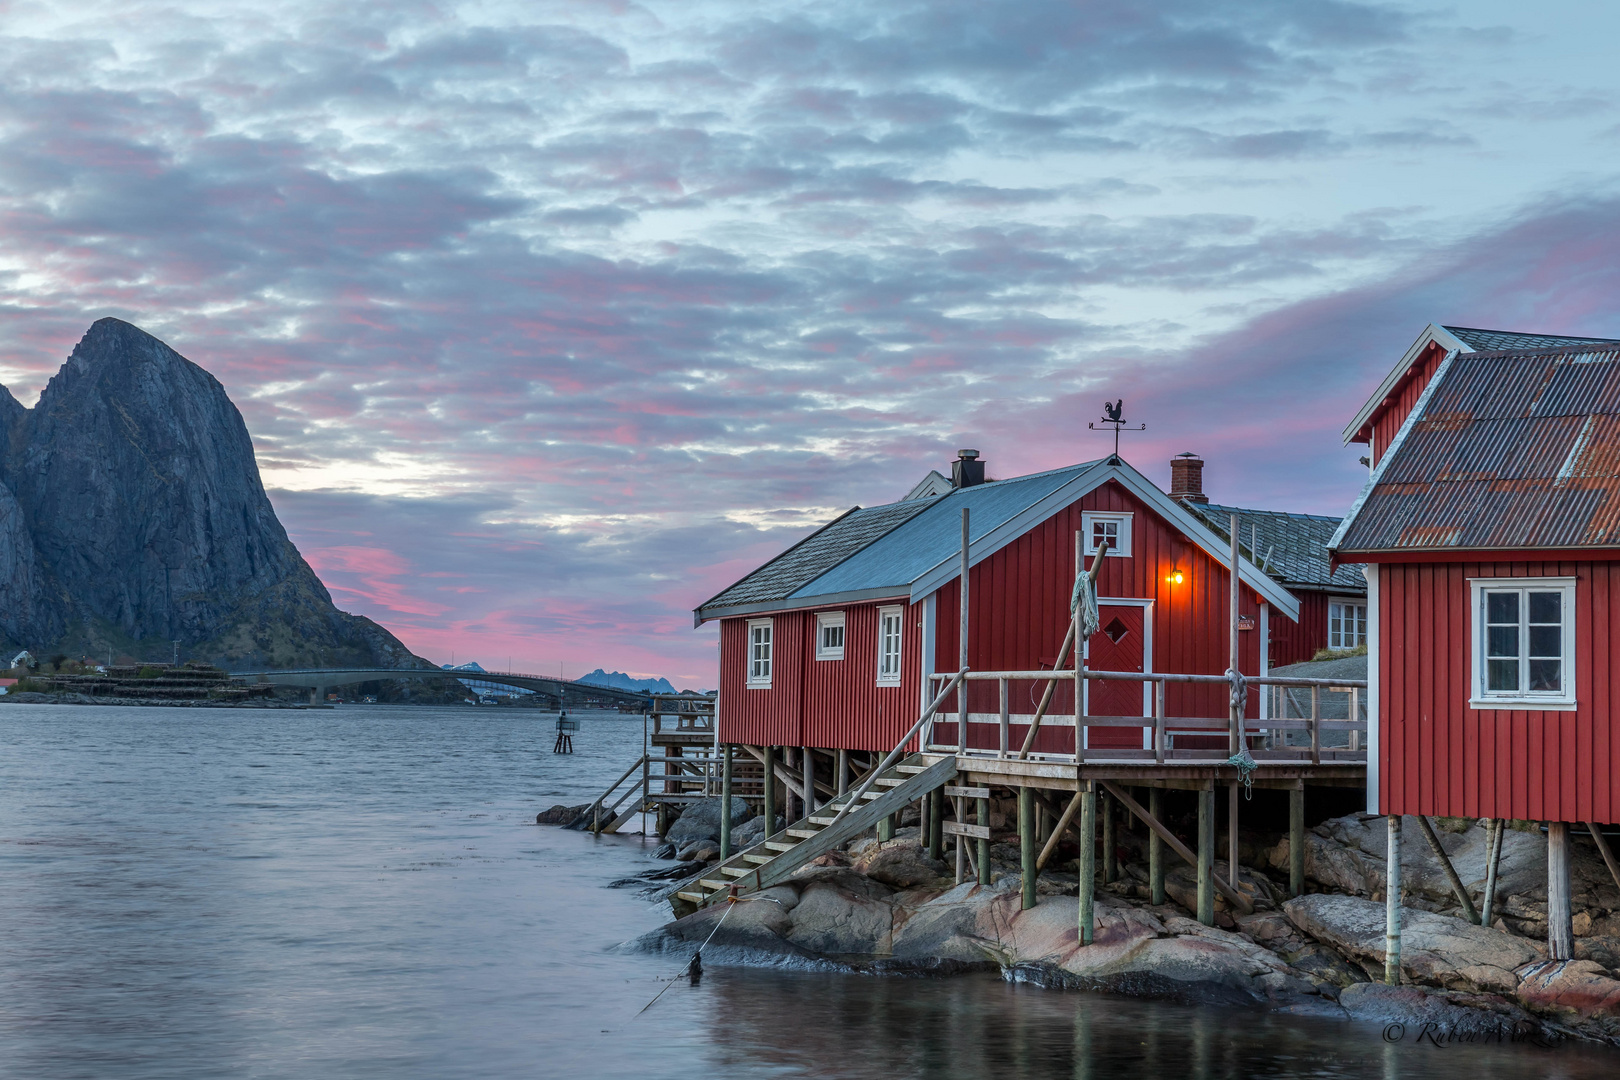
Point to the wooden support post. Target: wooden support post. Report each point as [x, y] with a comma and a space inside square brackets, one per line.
[1296, 841]
[1005, 720]
[725, 803]
[936, 824]
[1105, 807]
[1493, 859]
[1155, 848]
[962, 648]
[1088, 861]
[843, 772]
[1236, 707]
[1158, 721]
[959, 841]
[1316, 725]
[770, 792]
[885, 829]
[1232, 833]
[1206, 856]
[982, 817]
[1560, 931]
[1603, 849]
[809, 781]
[1026, 843]
[1057, 834]
[1392, 904]
[1080, 650]
[1451, 871]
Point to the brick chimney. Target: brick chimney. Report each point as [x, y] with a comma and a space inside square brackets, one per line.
[967, 470]
[1187, 478]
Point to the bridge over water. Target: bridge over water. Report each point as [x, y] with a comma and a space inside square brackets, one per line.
[319, 680]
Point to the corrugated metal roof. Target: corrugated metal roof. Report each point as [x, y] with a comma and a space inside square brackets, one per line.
[1292, 548]
[1513, 449]
[1495, 340]
[922, 543]
[816, 553]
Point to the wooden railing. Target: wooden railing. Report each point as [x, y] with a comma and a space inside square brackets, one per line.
[1266, 738]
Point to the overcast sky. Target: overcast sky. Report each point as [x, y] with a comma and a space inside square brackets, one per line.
[551, 320]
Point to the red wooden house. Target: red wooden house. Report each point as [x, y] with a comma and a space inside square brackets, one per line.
[830, 644]
[1491, 534]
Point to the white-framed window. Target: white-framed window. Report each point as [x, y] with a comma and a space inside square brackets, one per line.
[830, 635]
[1115, 528]
[759, 653]
[889, 638]
[1347, 624]
[1524, 642]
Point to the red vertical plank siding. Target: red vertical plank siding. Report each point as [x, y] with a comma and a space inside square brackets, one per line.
[1440, 756]
[768, 717]
[1387, 424]
[844, 706]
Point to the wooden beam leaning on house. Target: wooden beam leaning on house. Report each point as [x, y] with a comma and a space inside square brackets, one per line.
[1603, 849]
[1233, 896]
[1057, 665]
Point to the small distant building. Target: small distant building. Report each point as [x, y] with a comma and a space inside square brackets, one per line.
[1490, 531]
[22, 659]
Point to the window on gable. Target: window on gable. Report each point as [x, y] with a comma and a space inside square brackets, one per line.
[889, 644]
[759, 654]
[830, 635]
[1347, 625]
[1524, 631]
[1114, 528]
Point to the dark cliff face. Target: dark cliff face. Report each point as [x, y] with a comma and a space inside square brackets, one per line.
[133, 512]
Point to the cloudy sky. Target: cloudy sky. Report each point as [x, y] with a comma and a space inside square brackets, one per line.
[550, 320]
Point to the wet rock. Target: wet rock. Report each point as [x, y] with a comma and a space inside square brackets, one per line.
[1437, 950]
[560, 815]
[903, 864]
[702, 851]
[665, 851]
[1425, 1014]
[1572, 990]
[751, 832]
[701, 821]
[836, 921]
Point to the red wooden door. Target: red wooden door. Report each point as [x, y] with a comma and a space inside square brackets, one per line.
[1117, 646]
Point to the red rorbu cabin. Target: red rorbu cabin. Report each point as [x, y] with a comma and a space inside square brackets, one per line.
[1491, 530]
[829, 646]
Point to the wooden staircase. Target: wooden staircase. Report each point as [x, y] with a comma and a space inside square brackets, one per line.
[776, 858]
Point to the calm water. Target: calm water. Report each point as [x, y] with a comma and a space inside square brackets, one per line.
[359, 892]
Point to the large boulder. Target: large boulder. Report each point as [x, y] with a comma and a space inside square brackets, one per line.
[701, 821]
[902, 864]
[1437, 950]
[1415, 1014]
[841, 914]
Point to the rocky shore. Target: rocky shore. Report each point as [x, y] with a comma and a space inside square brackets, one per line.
[888, 908]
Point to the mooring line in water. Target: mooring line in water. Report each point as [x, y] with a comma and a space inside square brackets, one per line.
[694, 966]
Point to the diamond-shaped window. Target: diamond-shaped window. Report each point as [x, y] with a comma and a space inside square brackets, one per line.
[1116, 630]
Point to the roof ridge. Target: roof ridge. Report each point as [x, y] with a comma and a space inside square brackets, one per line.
[1522, 333]
[1545, 351]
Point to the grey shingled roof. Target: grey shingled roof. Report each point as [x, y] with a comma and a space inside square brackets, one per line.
[1295, 543]
[818, 553]
[1493, 340]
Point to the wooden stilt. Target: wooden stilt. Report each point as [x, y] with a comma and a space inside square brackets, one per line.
[885, 829]
[960, 842]
[1560, 931]
[725, 803]
[842, 767]
[1296, 841]
[1088, 862]
[1451, 871]
[1603, 849]
[1493, 859]
[1232, 832]
[1392, 904]
[1105, 807]
[809, 761]
[982, 817]
[1155, 850]
[936, 824]
[1206, 856]
[770, 792]
[1026, 843]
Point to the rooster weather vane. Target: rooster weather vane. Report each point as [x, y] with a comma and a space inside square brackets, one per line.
[1114, 415]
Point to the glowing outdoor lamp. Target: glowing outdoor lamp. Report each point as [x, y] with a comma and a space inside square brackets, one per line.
[1174, 577]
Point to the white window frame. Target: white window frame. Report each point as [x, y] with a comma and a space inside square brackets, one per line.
[898, 614]
[759, 676]
[824, 620]
[1480, 698]
[1352, 603]
[1120, 550]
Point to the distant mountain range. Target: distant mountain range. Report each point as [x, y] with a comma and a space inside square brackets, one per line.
[620, 681]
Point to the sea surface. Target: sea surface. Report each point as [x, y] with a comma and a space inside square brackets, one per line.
[361, 892]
